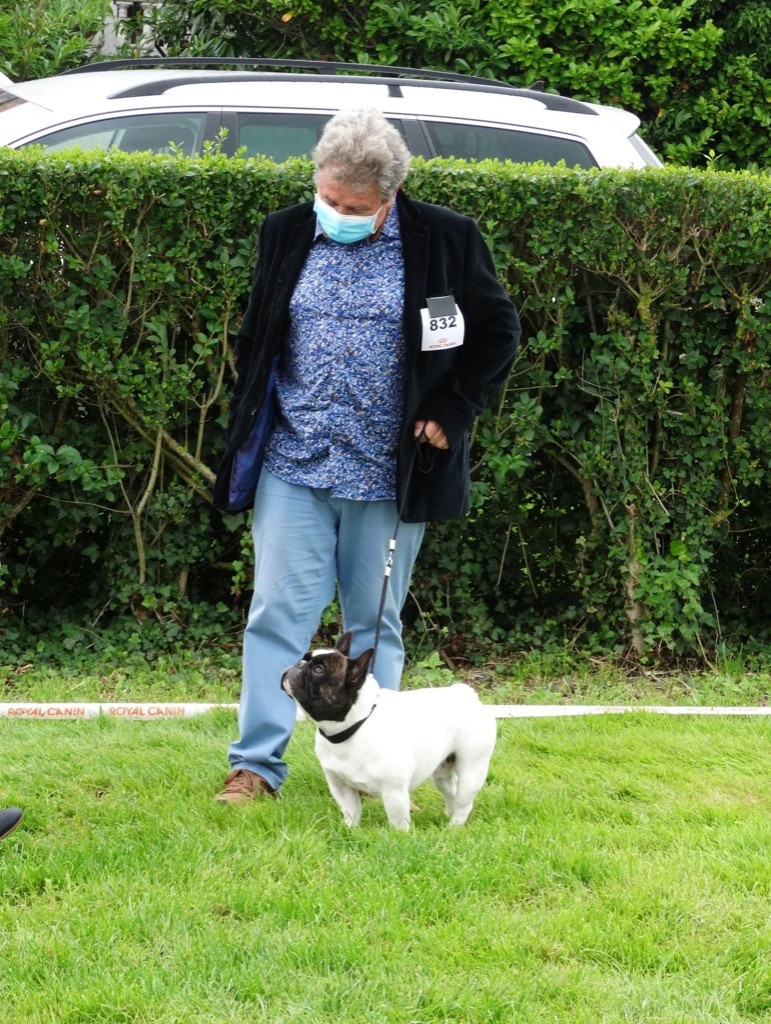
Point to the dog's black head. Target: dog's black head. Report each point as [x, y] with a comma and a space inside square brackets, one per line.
[325, 683]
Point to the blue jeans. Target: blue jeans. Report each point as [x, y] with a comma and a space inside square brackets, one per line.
[305, 541]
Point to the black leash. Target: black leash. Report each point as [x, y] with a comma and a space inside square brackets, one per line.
[392, 547]
[345, 734]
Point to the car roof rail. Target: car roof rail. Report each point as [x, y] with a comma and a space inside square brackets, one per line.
[327, 71]
[324, 66]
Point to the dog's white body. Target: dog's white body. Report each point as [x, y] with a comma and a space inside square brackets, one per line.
[445, 733]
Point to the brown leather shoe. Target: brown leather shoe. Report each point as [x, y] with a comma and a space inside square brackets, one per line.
[242, 785]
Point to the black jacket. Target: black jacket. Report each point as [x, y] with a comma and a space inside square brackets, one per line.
[444, 254]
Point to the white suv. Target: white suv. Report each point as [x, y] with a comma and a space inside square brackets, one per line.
[178, 104]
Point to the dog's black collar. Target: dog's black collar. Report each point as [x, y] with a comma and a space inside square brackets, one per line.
[341, 737]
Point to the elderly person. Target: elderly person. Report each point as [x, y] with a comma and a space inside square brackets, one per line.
[374, 323]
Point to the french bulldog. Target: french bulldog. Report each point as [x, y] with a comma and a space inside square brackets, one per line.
[384, 743]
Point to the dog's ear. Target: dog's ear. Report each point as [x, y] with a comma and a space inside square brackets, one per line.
[344, 643]
[357, 670]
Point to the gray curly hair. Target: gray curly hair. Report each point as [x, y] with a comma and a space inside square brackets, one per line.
[360, 148]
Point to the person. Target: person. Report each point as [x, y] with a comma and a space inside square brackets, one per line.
[9, 819]
[374, 324]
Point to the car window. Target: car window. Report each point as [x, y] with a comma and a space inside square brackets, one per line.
[478, 142]
[156, 132]
[281, 136]
[278, 136]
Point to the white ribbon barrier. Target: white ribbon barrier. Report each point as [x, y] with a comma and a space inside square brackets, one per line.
[145, 712]
[568, 710]
[151, 712]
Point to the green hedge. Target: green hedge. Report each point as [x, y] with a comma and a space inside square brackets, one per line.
[620, 483]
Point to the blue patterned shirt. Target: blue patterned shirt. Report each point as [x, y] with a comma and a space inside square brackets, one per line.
[341, 381]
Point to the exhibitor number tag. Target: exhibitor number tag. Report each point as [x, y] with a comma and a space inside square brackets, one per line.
[442, 324]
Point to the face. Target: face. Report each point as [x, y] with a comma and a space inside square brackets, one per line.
[325, 683]
[350, 201]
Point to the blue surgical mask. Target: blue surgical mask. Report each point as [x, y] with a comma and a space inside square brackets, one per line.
[343, 227]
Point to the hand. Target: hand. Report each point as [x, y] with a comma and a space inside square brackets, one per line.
[432, 433]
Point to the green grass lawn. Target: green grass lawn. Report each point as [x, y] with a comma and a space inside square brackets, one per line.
[615, 869]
